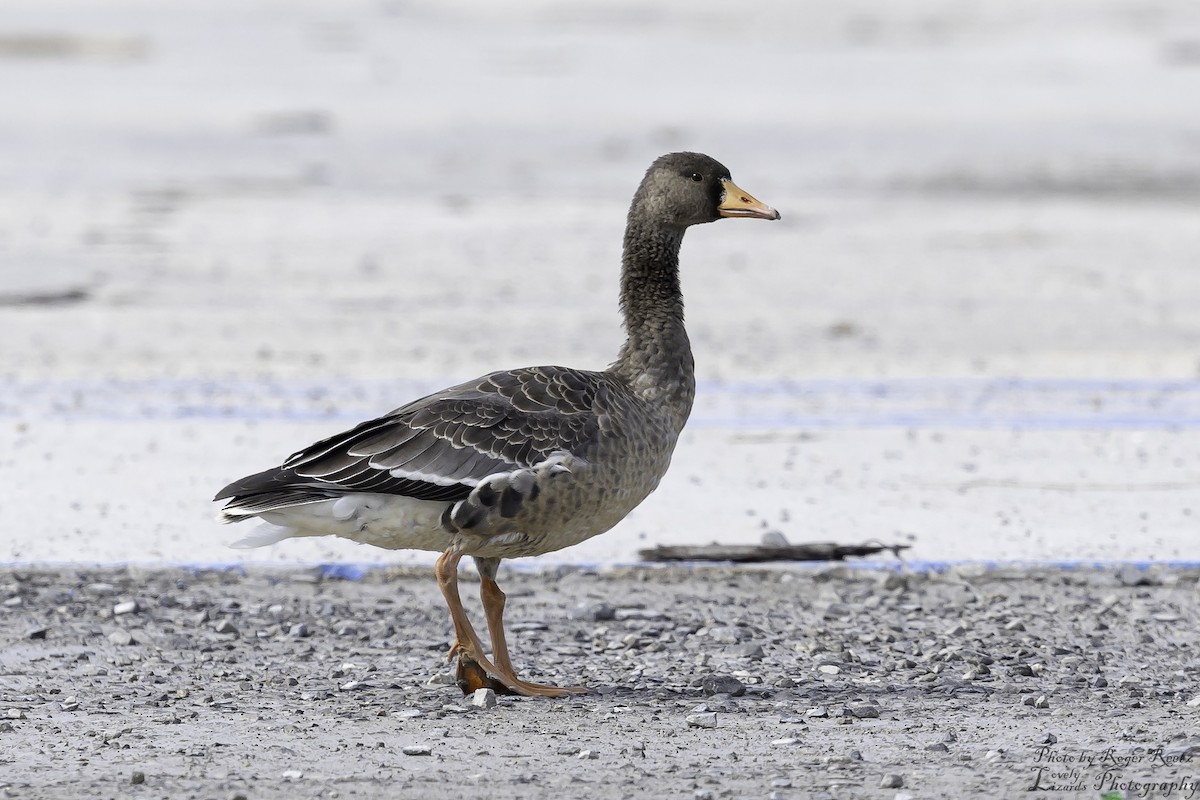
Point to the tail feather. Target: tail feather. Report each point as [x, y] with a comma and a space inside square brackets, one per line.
[239, 508]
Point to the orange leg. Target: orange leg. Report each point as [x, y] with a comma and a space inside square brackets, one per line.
[493, 606]
[474, 669]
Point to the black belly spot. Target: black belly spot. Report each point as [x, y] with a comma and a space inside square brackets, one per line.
[510, 502]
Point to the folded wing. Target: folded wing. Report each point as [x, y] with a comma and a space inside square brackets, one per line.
[441, 446]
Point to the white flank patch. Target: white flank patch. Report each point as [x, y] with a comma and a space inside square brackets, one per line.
[264, 535]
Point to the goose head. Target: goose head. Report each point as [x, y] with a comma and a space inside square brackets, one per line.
[682, 189]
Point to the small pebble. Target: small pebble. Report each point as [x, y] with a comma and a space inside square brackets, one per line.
[225, 626]
[121, 637]
[291, 774]
[723, 684]
[816, 713]
[38, 632]
[137, 778]
[299, 630]
[708, 720]
[593, 612]
[1132, 575]
[128, 607]
[644, 614]
[483, 698]
[588, 754]
[836, 611]
[723, 634]
[891, 781]
[750, 650]
[864, 711]
[416, 750]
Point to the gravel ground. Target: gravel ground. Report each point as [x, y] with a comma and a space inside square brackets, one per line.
[713, 682]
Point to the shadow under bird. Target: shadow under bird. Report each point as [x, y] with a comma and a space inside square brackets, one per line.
[520, 462]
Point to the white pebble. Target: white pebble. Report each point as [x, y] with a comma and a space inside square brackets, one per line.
[483, 698]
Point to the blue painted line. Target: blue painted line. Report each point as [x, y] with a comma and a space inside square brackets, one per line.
[952, 421]
[986, 403]
[352, 571]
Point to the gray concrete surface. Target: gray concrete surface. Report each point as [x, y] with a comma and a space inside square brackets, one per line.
[227, 229]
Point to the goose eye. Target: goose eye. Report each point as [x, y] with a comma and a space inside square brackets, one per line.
[697, 177]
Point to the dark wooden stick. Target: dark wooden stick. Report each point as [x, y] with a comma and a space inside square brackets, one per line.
[752, 553]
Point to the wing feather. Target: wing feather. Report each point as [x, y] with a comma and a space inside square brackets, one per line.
[441, 446]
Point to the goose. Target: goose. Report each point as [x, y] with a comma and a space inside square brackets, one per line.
[520, 462]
